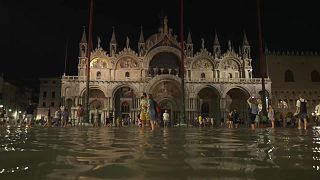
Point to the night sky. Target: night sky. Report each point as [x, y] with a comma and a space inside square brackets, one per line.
[34, 33]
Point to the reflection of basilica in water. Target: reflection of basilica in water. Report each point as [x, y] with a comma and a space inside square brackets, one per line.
[215, 82]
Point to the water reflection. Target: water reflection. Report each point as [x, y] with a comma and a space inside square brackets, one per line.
[173, 153]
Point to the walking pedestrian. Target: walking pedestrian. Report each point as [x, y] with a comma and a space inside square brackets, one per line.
[166, 118]
[271, 116]
[253, 110]
[302, 111]
[80, 113]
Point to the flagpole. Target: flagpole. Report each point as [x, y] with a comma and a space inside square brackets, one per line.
[262, 61]
[88, 62]
[65, 58]
[183, 115]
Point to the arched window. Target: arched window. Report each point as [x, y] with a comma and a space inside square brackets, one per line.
[203, 76]
[98, 75]
[127, 74]
[315, 76]
[288, 76]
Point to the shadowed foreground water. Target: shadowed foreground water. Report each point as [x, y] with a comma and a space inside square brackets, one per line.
[175, 153]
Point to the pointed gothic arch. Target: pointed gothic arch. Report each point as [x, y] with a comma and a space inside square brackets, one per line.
[288, 76]
[315, 76]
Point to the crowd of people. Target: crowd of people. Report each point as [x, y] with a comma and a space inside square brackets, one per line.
[151, 116]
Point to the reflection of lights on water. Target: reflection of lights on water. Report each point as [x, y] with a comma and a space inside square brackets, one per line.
[316, 149]
[316, 140]
[270, 150]
[16, 169]
[316, 158]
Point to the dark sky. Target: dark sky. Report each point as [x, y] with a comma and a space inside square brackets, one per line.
[34, 33]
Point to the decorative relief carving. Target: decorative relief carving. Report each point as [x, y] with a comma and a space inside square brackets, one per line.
[202, 64]
[127, 62]
[229, 64]
[166, 89]
[99, 63]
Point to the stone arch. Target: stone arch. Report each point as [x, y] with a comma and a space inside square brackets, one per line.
[67, 92]
[243, 88]
[315, 76]
[117, 87]
[153, 52]
[160, 78]
[123, 94]
[268, 98]
[288, 76]
[209, 101]
[199, 88]
[236, 98]
[83, 91]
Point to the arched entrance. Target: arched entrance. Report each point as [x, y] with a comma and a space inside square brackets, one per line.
[209, 103]
[96, 101]
[123, 101]
[167, 94]
[236, 98]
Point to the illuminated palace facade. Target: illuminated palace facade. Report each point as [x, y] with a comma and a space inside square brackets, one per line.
[215, 82]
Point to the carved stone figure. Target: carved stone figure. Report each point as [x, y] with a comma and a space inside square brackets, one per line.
[202, 43]
[165, 25]
[99, 42]
[127, 42]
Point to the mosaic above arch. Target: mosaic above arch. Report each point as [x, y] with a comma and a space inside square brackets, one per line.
[127, 62]
[229, 64]
[99, 63]
[202, 64]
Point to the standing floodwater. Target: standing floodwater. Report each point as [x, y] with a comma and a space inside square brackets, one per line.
[173, 153]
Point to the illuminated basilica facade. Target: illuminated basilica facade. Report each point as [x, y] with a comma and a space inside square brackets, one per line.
[215, 81]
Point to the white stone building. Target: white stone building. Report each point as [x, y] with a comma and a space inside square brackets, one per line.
[215, 82]
[294, 73]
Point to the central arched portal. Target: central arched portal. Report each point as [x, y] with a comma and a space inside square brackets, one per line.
[167, 93]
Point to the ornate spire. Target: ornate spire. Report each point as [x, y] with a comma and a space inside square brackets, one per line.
[189, 40]
[216, 40]
[84, 38]
[127, 42]
[141, 39]
[189, 44]
[113, 43]
[113, 37]
[165, 25]
[245, 47]
[245, 40]
[98, 42]
[216, 46]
